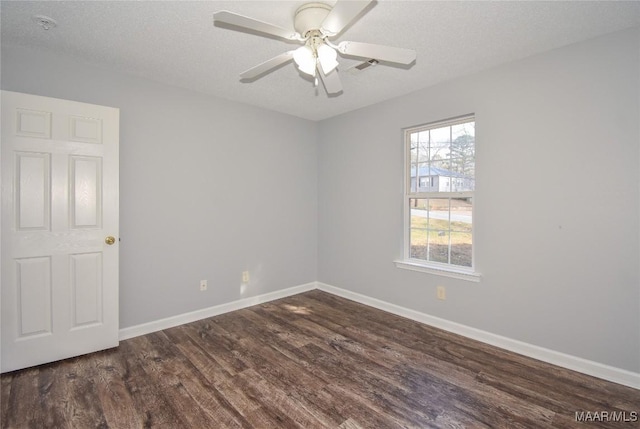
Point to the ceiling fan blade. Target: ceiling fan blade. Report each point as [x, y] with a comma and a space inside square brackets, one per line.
[232, 18]
[342, 13]
[267, 66]
[331, 81]
[377, 52]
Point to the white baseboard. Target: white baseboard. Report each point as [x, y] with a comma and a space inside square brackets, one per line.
[181, 319]
[574, 363]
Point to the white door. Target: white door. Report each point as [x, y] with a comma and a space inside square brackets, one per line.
[59, 204]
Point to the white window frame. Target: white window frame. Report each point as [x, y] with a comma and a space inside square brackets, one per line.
[443, 269]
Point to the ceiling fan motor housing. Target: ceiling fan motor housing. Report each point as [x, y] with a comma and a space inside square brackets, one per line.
[309, 17]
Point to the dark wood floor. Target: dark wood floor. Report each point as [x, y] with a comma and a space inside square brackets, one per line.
[312, 360]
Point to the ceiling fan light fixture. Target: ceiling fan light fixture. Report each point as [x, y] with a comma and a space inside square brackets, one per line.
[315, 24]
[328, 58]
[305, 60]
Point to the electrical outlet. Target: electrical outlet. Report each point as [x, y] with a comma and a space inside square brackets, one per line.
[203, 285]
[441, 293]
[245, 277]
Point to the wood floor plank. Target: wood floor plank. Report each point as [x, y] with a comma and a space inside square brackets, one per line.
[5, 394]
[353, 404]
[350, 424]
[267, 418]
[285, 409]
[54, 393]
[380, 394]
[267, 361]
[83, 404]
[152, 406]
[205, 363]
[220, 347]
[481, 402]
[23, 404]
[117, 403]
[194, 398]
[280, 371]
[312, 360]
[274, 331]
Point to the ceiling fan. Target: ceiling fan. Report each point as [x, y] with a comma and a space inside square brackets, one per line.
[315, 25]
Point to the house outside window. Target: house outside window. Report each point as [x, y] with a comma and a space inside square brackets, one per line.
[438, 198]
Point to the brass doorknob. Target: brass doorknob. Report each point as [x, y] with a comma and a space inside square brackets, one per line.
[110, 240]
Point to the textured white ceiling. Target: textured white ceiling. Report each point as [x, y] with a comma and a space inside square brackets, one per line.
[175, 42]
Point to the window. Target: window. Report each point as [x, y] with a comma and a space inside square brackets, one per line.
[439, 188]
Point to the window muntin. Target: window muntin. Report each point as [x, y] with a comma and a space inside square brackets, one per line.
[440, 183]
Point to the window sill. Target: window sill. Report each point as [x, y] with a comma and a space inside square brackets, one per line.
[456, 273]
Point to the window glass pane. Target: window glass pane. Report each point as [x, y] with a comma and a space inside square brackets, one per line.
[463, 155]
[438, 246]
[466, 129]
[461, 248]
[414, 169]
[422, 177]
[413, 138]
[418, 244]
[470, 169]
[438, 214]
[463, 147]
[423, 146]
[441, 174]
[461, 175]
[440, 135]
[418, 233]
[463, 168]
[461, 214]
[440, 150]
[419, 212]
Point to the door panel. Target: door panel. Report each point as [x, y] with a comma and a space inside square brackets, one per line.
[59, 202]
[32, 193]
[86, 284]
[34, 296]
[31, 123]
[86, 177]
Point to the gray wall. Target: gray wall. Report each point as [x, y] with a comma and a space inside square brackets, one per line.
[209, 188]
[557, 201]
